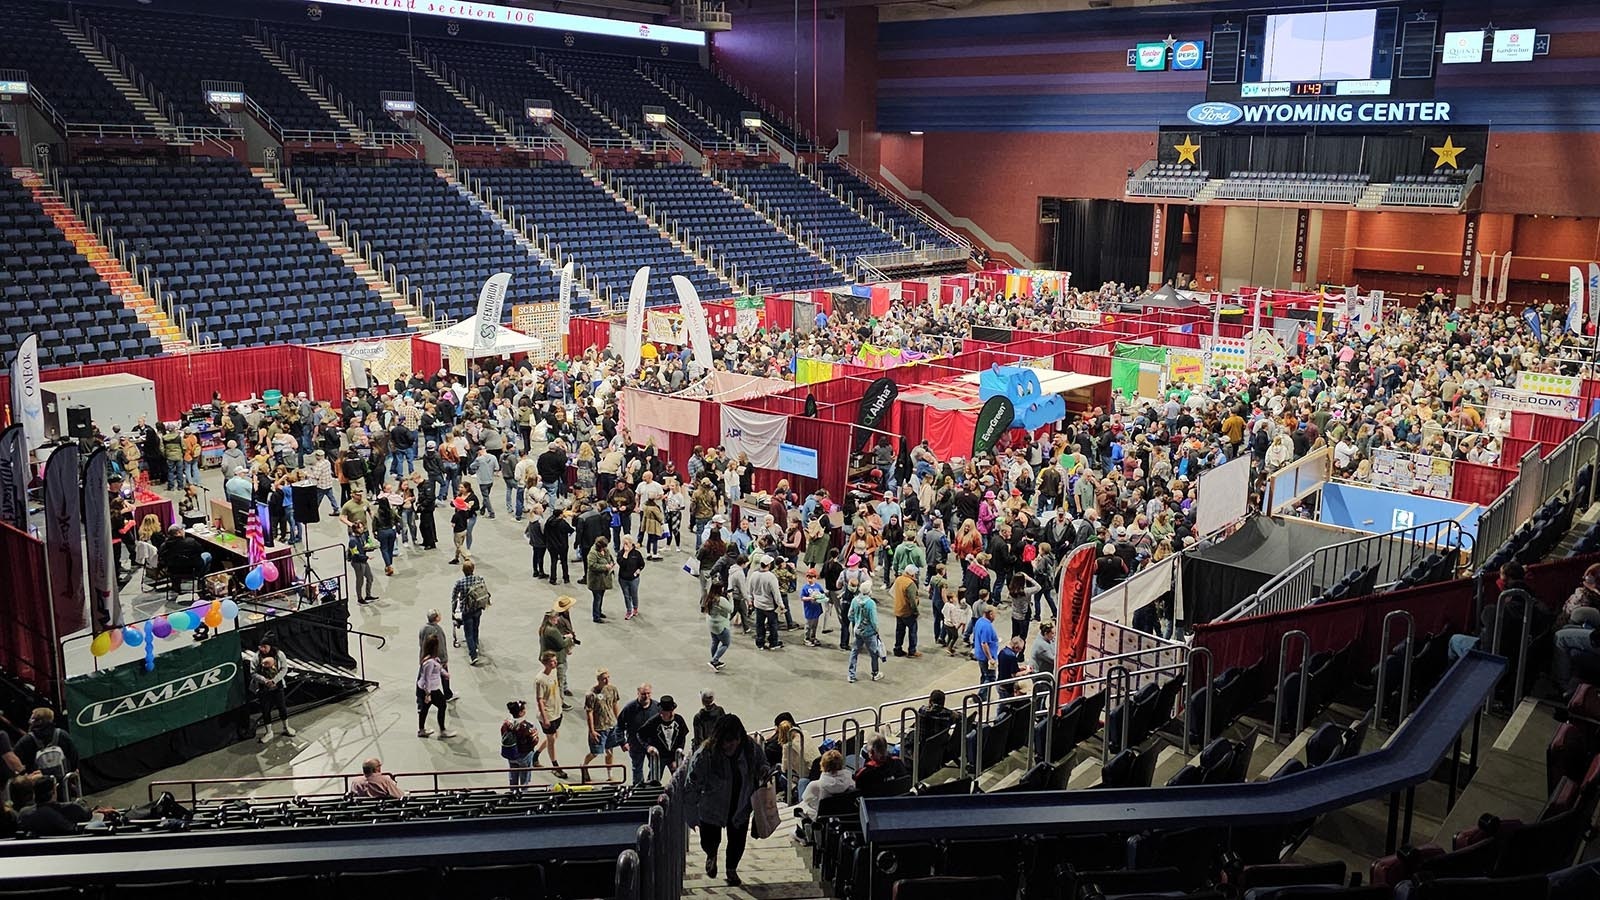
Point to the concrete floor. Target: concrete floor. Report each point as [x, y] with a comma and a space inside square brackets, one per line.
[667, 645]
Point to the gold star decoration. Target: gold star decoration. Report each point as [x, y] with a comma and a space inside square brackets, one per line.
[1189, 151]
[1447, 153]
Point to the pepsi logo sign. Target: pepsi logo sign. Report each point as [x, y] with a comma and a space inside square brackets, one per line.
[1215, 113]
[1187, 55]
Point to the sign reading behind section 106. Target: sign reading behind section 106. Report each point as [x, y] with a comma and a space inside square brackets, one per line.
[1217, 113]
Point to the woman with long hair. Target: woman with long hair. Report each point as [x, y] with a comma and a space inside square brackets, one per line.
[430, 688]
[718, 610]
[600, 573]
[630, 568]
[718, 781]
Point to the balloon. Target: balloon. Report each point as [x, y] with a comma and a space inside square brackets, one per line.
[149, 647]
[132, 636]
[116, 637]
[205, 557]
[213, 618]
[181, 621]
[254, 579]
[269, 571]
[161, 627]
[101, 645]
[230, 609]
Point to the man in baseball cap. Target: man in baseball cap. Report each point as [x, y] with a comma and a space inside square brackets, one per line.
[904, 592]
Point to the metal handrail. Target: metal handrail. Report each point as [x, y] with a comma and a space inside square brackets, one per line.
[1211, 674]
[1305, 661]
[1405, 672]
[155, 788]
[1127, 718]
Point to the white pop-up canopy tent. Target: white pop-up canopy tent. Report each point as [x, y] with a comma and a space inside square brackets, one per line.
[463, 336]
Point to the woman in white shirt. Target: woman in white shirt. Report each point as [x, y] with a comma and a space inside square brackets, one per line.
[833, 781]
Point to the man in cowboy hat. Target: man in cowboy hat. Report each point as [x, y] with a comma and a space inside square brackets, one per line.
[556, 635]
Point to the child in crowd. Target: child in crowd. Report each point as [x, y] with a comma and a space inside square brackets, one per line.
[955, 614]
[812, 595]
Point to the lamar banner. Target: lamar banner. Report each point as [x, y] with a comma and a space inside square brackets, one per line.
[117, 707]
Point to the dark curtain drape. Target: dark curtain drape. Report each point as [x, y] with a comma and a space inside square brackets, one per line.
[317, 634]
[1211, 588]
[26, 648]
[1104, 240]
[1172, 243]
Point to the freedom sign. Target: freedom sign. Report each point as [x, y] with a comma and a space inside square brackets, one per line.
[124, 705]
[1538, 404]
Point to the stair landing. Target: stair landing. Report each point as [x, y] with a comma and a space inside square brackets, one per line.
[104, 262]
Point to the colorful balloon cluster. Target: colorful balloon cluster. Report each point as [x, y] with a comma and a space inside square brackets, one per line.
[209, 613]
[265, 573]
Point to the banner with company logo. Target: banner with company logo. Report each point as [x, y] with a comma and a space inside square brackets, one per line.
[63, 538]
[1514, 400]
[491, 300]
[564, 299]
[104, 602]
[27, 404]
[14, 477]
[116, 707]
[1188, 56]
[756, 435]
[1072, 631]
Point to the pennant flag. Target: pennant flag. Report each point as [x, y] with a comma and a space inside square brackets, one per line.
[1477, 276]
[1488, 281]
[993, 420]
[27, 404]
[694, 320]
[1531, 316]
[875, 403]
[491, 300]
[1594, 292]
[1505, 278]
[15, 473]
[97, 538]
[633, 338]
[811, 406]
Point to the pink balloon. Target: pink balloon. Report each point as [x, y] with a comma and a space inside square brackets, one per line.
[269, 571]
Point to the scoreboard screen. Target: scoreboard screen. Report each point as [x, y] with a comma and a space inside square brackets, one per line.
[1379, 52]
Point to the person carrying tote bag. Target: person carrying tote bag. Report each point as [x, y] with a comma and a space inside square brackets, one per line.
[721, 786]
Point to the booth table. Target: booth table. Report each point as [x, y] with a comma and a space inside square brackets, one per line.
[145, 503]
[229, 551]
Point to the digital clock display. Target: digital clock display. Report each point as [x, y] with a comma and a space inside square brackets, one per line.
[1312, 88]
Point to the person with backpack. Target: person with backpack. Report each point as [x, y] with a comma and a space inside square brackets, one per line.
[266, 679]
[470, 597]
[46, 748]
[519, 743]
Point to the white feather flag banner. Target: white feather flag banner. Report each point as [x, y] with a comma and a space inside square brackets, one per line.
[633, 340]
[491, 302]
[694, 320]
[564, 300]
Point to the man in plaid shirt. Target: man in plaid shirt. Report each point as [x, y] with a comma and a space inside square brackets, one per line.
[469, 611]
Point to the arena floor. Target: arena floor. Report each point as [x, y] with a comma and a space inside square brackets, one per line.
[667, 645]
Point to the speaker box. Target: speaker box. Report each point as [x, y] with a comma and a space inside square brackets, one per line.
[80, 423]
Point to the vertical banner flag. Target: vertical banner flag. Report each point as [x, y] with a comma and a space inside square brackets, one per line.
[63, 538]
[1487, 273]
[27, 405]
[811, 405]
[1531, 316]
[1476, 276]
[996, 416]
[694, 320]
[1302, 232]
[1594, 292]
[104, 604]
[875, 403]
[1505, 278]
[564, 300]
[633, 337]
[1072, 631]
[491, 300]
[1575, 308]
[15, 473]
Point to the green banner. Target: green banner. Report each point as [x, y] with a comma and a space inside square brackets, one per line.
[993, 420]
[121, 706]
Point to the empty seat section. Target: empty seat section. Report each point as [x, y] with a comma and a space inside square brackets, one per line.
[430, 231]
[609, 241]
[247, 270]
[613, 79]
[47, 285]
[841, 228]
[32, 41]
[717, 95]
[178, 52]
[845, 182]
[767, 259]
[506, 76]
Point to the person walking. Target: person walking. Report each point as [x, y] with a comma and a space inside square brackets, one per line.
[557, 640]
[600, 574]
[483, 469]
[639, 710]
[558, 543]
[986, 649]
[706, 718]
[519, 744]
[718, 780]
[427, 499]
[601, 707]
[904, 592]
[432, 628]
[430, 690]
[534, 532]
[1020, 594]
[357, 552]
[267, 680]
[469, 598]
[630, 566]
[547, 691]
[466, 512]
[718, 610]
[385, 525]
[863, 618]
[765, 595]
[664, 736]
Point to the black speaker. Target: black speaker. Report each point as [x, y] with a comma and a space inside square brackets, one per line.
[80, 423]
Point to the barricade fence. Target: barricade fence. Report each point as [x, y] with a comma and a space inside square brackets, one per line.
[1536, 483]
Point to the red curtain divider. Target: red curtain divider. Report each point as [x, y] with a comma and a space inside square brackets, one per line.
[26, 645]
[1479, 483]
[584, 332]
[1512, 449]
[426, 356]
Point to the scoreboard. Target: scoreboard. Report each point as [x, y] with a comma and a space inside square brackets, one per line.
[1363, 87]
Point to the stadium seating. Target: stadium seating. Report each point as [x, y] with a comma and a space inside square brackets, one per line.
[47, 287]
[178, 52]
[76, 90]
[430, 232]
[506, 77]
[768, 258]
[1294, 187]
[614, 80]
[1169, 180]
[610, 242]
[1425, 190]
[223, 246]
[845, 182]
[717, 95]
[364, 65]
[841, 229]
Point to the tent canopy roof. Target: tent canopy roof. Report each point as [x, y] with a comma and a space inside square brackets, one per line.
[464, 335]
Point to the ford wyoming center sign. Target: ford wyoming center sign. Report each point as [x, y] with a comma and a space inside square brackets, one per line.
[117, 707]
[1321, 113]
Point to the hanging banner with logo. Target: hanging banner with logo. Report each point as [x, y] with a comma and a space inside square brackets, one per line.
[1575, 308]
[1485, 272]
[116, 707]
[1302, 230]
[993, 420]
[875, 403]
[747, 313]
[756, 435]
[1072, 632]
[1265, 349]
[63, 538]
[564, 298]
[1469, 245]
[1513, 400]
[633, 336]
[1185, 366]
[104, 604]
[27, 404]
[1505, 278]
[694, 319]
[666, 328]
[491, 301]
[15, 473]
[1477, 277]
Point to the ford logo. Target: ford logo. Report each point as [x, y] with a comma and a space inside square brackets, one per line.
[1186, 55]
[1215, 113]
